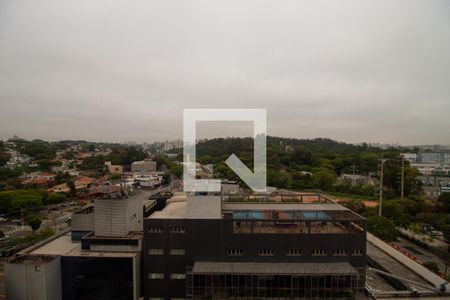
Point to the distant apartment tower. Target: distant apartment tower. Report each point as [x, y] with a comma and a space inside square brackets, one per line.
[144, 167]
[219, 247]
[434, 157]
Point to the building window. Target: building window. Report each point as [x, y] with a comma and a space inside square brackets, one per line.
[294, 252]
[155, 298]
[340, 252]
[357, 252]
[177, 229]
[155, 229]
[235, 252]
[177, 276]
[177, 252]
[266, 252]
[37, 268]
[177, 298]
[156, 251]
[319, 252]
[156, 276]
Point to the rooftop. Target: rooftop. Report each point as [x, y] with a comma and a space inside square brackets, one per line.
[63, 246]
[182, 206]
[37, 259]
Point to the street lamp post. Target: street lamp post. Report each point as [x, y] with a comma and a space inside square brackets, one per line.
[380, 204]
[403, 178]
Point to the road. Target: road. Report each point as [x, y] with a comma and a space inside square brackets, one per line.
[14, 230]
[392, 266]
[422, 254]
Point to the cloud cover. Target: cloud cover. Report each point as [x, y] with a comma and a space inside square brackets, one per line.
[375, 71]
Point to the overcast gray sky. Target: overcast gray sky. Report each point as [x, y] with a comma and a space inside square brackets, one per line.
[375, 71]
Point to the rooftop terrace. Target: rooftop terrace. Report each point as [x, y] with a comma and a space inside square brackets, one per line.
[262, 213]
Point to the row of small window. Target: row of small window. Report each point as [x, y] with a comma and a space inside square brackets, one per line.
[171, 252]
[296, 252]
[160, 229]
[161, 298]
[161, 276]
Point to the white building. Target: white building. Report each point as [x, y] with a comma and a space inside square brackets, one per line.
[144, 166]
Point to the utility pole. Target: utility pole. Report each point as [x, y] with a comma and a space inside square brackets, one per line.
[380, 204]
[403, 178]
[353, 177]
[21, 218]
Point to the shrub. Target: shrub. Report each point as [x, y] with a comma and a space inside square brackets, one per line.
[382, 228]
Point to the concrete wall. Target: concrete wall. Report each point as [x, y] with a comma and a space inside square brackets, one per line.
[134, 214]
[33, 281]
[137, 276]
[406, 261]
[110, 217]
[117, 217]
[209, 240]
[204, 207]
[83, 222]
[143, 167]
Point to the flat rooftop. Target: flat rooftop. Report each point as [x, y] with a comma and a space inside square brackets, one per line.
[63, 246]
[182, 206]
[38, 259]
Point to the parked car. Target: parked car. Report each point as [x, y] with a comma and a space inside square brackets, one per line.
[3, 219]
[436, 233]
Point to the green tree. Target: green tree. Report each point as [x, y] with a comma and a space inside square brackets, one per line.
[68, 155]
[166, 179]
[432, 266]
[324, 179]
[72, 189]
[302, 155]
[382, 228]
[444, 199]
[355, 205]
[176, 170]
[392, 175]
[34, 222]
[446, 233]
[4, 157]
[278, 179]
[55, 198]
[301, 180]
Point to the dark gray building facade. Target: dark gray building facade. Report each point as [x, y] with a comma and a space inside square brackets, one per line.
[253, 250]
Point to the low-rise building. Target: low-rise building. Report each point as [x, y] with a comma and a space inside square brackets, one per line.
[99, 259]
[114, 169]
[33, 277]
[80, 183]
[219, 247]
[144, 166]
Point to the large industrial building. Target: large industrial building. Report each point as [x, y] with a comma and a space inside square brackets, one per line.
[209, 246]
[236, 247]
